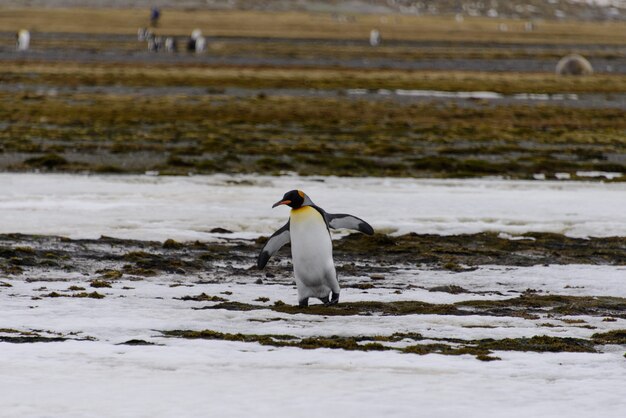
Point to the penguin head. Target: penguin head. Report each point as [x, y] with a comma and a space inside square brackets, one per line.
[293, 198]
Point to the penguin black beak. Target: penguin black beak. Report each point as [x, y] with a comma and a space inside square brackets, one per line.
[282, 202]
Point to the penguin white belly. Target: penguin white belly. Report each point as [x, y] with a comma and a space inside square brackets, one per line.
[312, 254]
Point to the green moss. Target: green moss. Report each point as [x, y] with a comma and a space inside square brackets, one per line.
[610, 337]
[12, 270]
[92, 295]
[529, 307]
[22, 339]
[149, 263]
[482, 349]
[483, 248]
[369, 308]
[110, 274]
[203, 297]
[53, 295]
[313, 135]
[139, 271]
[170, 244]
[136, 342]
[555, 304]
[100, 283]
[485, 357]
[234, 306]
[540, 344]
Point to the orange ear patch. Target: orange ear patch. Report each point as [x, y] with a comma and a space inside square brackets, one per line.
[301, 193]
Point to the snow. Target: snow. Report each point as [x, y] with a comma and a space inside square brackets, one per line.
[221, 380]
[607, 174]
[477, 95]
[97, 377]
[187, 208]
[218, 378]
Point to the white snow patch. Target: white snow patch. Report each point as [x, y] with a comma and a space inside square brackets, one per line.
[450, 94]
[610, 175]
[187, 208]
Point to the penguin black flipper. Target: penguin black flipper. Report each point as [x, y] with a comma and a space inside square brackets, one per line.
[273, 244]
[343, 220]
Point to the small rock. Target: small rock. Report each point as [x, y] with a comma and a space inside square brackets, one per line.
[258, 281]
[220, 231]
[377, 276]
[136, 342]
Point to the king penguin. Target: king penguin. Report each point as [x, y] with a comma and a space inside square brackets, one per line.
[311, 247]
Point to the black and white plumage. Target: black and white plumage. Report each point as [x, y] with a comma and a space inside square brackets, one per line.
[311, 247]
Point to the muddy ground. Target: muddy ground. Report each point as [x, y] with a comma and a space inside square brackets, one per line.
[356, 254]
[364, 264]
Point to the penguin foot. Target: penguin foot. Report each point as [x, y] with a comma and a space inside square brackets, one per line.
[334, 299]
[325, 300]
[303, 303]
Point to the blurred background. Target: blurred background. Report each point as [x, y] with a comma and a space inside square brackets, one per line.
[530, 89]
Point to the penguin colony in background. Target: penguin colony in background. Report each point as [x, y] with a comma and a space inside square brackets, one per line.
[311, 247]
[195, 43]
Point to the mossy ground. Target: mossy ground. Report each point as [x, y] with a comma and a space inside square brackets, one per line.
[110, 264]
[355, 254]
[526, 306]
[482, 349]
[310, 136]
[15, 336]
[121, 115]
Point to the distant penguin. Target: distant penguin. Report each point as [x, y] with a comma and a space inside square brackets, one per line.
[170, 44]
[196, 33]
[574, 64]
[22, 40]
[142, 34]
[311, 246]
[192, 42]
[191, 45]
[155, 43]
[375, 38]
[200, 44]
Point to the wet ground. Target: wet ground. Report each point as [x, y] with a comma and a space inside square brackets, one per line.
[56, 267]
